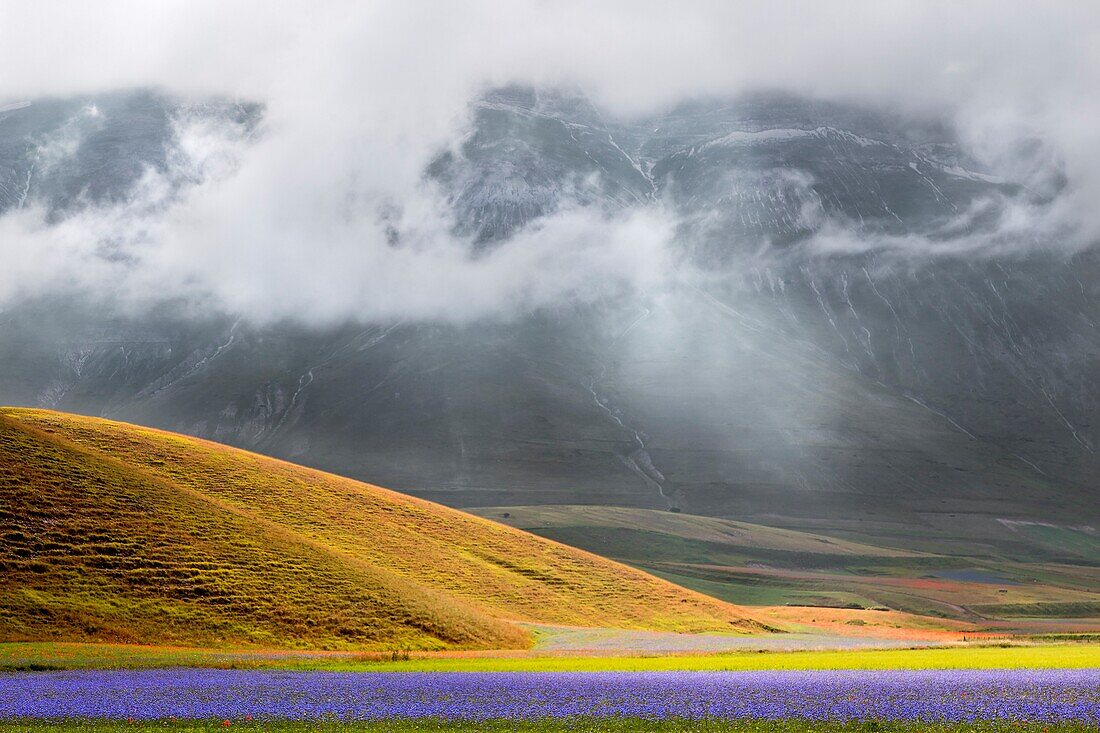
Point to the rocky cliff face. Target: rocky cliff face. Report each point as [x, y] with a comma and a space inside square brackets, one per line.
[841, 354]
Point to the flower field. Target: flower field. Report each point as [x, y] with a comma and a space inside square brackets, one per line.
[939, 697]
[542, 725]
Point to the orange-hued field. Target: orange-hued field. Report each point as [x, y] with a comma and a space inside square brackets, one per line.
[114, 532]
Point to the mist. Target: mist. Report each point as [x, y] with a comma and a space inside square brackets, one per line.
[295, 219]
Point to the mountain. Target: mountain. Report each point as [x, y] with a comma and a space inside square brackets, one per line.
[121, 533]
[841, 362]
[68, 153]
[529, 155]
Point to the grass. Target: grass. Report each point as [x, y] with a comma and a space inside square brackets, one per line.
[92, 549]
[596, 725]
[1042, 610]
[113, 532]
[706, 533]
[41, 656]
[765, 591]
[756, 565]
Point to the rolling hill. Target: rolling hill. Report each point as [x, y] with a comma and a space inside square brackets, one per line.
[122, 533]
[779, 571]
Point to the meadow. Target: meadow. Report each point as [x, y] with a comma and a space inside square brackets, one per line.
[18, 657]
[935, 696]
[602, 725]
[989, 585]
[1040, 688]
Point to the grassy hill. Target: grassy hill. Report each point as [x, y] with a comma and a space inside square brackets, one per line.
[122, 533]
[770, 566]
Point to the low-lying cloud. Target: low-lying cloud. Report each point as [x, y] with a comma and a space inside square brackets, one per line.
[295, 219]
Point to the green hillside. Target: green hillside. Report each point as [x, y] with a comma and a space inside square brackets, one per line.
[771, 566]
[119, 533]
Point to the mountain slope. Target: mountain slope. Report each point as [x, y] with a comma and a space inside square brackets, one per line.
[119, 532]
[923, 398]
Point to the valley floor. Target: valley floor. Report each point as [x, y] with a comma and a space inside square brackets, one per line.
[951, 699]
[840, 578]
[604, 725]
[99, 688]
[26, 657]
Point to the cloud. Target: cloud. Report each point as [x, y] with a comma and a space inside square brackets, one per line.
[359, 96]
[213, 231]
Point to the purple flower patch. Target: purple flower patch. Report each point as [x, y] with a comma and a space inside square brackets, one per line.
[950, 696]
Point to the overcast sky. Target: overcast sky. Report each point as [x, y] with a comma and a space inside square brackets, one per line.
[359, 95]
